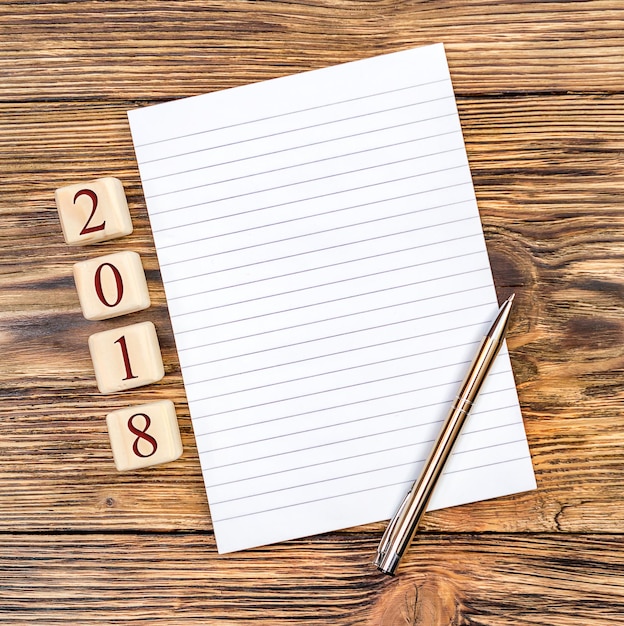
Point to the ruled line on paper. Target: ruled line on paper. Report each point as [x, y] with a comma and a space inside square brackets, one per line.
[337, 456]
[336, 442]
[280, 400]
[356, 456]
[287, 473]
[336, 264]
[297, 147]
[327, 281]
[241, 488]
[371, 471]
[159, 212]
[324, 249]
[380, 469]
[294, 112]
[350, 260]
[468, 459]
[364, 382]
[323, 355]
[407, 320]
[347, 405]
[381, 451]
[312, 180]
[376, 488]
[337, 371]
[279, 258]
[378, 291]
[319, 356]
[205, 220]
[314, 215]
[328, 266]
[303, 164]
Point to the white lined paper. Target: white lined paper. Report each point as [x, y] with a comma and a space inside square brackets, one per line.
[328, 283]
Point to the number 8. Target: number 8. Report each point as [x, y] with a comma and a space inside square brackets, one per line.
[142, 434]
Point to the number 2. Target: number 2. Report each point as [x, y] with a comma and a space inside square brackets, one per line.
[86, 229]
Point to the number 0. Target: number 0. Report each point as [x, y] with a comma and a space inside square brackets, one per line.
[118, 284]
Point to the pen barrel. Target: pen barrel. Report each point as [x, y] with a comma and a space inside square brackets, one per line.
[402, 528]
[417, 499]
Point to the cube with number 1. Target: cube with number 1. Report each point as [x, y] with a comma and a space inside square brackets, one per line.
[127, 357]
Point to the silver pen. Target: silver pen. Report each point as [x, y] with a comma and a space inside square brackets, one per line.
[402, 527]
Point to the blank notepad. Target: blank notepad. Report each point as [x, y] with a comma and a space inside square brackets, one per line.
[328, 285]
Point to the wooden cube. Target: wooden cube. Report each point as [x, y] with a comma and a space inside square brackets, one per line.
[127, 357]
[144, 435]
[111, 285]
[93, 211]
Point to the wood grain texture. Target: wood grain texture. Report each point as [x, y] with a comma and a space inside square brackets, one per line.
[491, 580]
[540, 89]
[550, 199]
[121, 49]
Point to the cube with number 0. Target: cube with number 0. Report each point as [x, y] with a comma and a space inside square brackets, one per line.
[111, 285]
[126, 357]
[93, 211]
[144, 435]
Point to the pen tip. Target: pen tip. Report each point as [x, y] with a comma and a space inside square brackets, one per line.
[511, 298]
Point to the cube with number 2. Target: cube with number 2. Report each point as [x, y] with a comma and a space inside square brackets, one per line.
[144, 435]
[126, 357]
[111, 285]
[93, 211]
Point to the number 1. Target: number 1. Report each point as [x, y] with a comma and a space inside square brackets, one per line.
[126, 358]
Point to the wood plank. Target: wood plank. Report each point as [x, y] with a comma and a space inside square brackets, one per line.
[137, 50]
[550, 195]
[494, 580]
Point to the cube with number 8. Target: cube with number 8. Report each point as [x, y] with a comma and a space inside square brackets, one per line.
[127, 357]
[111, 285]
[93, 211]
[144, 435]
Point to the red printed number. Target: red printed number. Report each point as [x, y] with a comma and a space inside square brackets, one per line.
[142, 434]
[124, 353]
[86, 229]
[118, 284]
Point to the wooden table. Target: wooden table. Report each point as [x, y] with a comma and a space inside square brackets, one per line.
[540, 90]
